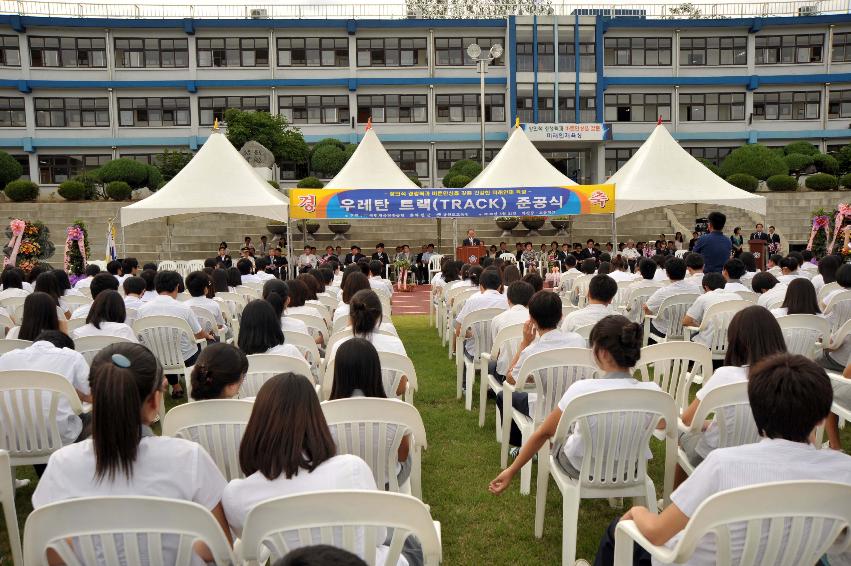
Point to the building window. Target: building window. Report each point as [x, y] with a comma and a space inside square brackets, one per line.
[315, 109]
[67, 52]
[393, 108]
[567, 58]
[452, 51]
[157, 112]
[524, 57]
[72, 112]
[214, 107]
[54, 169]
[841, 52]
[714, 154]
[10, 51]
[313, 52]
[546, 57]
[392, 52]
[466, 107]
[786, 105]
[446, 158]
[411, 161]
[637, 107]
[780, 49]
[712, 51]
[233, 52]
[526, 111]
[567, 109]
[24, 160]
[839, 104]
[712, 107]
[637, 51]
[150, 53]
[12, 113]
[617, 158]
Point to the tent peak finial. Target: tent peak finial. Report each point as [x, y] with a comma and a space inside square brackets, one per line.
[216, 125]
[368, 124]
[517, 122]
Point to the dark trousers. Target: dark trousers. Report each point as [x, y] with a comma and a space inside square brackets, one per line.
[173, 378]
[606, 552]
[520, 402]
[421, 273]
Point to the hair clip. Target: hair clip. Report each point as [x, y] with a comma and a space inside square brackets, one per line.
[121, 361]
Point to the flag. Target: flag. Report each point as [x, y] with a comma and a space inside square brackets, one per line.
[659, 123]
[111, 254]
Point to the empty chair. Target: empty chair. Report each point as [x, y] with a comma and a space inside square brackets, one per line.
[263, 366]
[162, 335]
[674, 366]
[7, 500]
[167, 265]
[804, 333]
[89, 346]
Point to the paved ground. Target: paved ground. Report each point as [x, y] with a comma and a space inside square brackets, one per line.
[414, 302]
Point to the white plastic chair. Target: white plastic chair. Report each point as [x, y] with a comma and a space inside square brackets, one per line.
[478, 324]
[7, 500]
[74, 301]
[167, 265]
[827, 289]
[195, 265]
[717, 317]
[565, 284]
[345, 519]
[109, 526]
[308, 348]
[315, 325]
[89, 346]
[803, 333]
[748, 296]
[9, 344]
[15, 307]
[733, 419]
[616, 427]
[75, 323]
[579, 291]
[373, 429]
[455, 302]
[393, 368]
[217, 425]
[208, 322]
[667, 365]
[674, 309]
[774, 515]
[340, 324]
[838, 310]
[6, 324]
[162, 336]
[509, 257]
[262, 367]
[508, 340]
[329, 301]
[840, 411]
[585, 331]
[553, 372]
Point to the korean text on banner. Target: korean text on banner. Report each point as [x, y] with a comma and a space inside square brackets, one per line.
[449, 203]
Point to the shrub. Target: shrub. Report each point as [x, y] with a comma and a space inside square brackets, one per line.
[845, 181]
[21, 190]
[755, 160]
[328, 160]
[744, 181]
[10, 169]
[826, 163]
[822, 182]
[415, 180]
[310, 183]
[90, 182]
[803, 147]
[118, 190]
[125, 169]
[155, 178]
[782, 183]
[843, 157]
[73, 190]
[709, 165]
[463, 167]
[797, 162]
[456, 181]
[274, 184]
[328, 141]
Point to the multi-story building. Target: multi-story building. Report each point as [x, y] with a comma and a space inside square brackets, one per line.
[78, 91]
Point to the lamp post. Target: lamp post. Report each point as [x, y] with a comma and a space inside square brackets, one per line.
[474, 51]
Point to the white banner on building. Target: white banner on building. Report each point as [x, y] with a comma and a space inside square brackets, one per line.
[568, 132]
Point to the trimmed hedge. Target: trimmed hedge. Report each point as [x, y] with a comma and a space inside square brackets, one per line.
[803, 147]
[826, 163]
[10, 169]
[711, 166]
[755, 160]
[310, 183]
[328, 160]
[845, 181]
[73, 190]
[797, 162]
[782, 183]
[21, 190]
[822, 182]
[124, 169]
[118, 190]
[744, 181]
[456, 181]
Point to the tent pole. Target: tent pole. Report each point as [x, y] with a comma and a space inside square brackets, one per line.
[123, 243]
[614, 232]
[454, 234]
[289, 248]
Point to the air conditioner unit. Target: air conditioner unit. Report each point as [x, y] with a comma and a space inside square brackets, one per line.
[258, 13]
[811, 10]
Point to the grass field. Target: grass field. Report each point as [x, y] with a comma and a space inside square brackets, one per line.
[462, 458]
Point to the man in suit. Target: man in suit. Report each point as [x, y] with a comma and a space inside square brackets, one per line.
[471, 239]
[223, 257]
[381, 255]
[759, 234]
[422, 262]
[277, 263]
[589, 251]
[773, 240]
[353, 256]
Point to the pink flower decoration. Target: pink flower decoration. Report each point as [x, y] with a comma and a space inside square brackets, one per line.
[74, 233]
[820, 222]
[17, 226]
[844, 209]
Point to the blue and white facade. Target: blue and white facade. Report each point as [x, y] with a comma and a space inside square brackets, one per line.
[76, 92]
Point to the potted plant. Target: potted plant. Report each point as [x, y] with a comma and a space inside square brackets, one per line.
[312, 227]
[561, 224]
[339, 227]
[533, 223]
[277, 228]
[507, 224]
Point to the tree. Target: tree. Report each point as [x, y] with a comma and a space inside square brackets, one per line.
[10, 169]
[130, 171]
[327, 160]
[755, 160]
[467, 169]
[274, 132]
[803, 147]
[797, 163]
[170, 162]
[843, 156]
[467, 9]
[744, 181]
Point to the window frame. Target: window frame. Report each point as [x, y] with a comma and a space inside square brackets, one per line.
[323, 103]
[63, 52]
[81, 105]
[706, 100]
[623, 49]
[99, 158]
[777, 99]
[9, 43]
[420, 156]
[455, 46]
[143, 50]
[227, 106]
[175, 106]
[370, 48]
[627, 98]
[8, 106]
[710, 44]
[779, 43]
[445, 101]
[339, 53]
[223, 54]
[418, 101]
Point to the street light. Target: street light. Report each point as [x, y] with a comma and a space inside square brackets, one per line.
[474, 51]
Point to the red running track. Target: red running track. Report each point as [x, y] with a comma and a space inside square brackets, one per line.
[413, 302]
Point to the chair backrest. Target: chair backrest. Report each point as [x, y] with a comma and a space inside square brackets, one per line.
[507, 341]
[585, 331]
[673, 366]
[235, 298]
[616, 427]
[162, 336]
[553, 372]
[717, 317]
[434, 262]
[566, 309]
[340, 324]
[509, 257]
[9, 344]
[675, 308]
[167, 265]
[89, 346]
[74, 301]
[111, 528]
[306, 345]
[7, 501]
[195, 265]
[748, 296]
[353, 520]
[315, 324]
[565, 283]
[802, 332]
[75, 323]
[29, 401]
[836, 339]
[15, 307]
[774, 303]
[261, 367]
[206, 318]
[827, 289]
[6, 324]
[733, 415]
[393, 368]
[839, 309]
[479, 323]
[635, 299]
[580, 289]
[372, 429]
[623, 294]
[791, 522]
[329, 301]
[217, 425]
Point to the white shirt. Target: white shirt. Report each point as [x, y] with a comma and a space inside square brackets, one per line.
[44, 356]
[488, 299]
[734, 286]
[343, 471]
[696, 281]
[770, 460]
[341, 311]
[701, 305]
[590, 314]
[210, 305]
[724, 375]
[85, 282]
[289, 324]
[654, 302]
[165, 467]
[619, 275]
[786, 279]
[83, 311]
[660, 275]
[630, 253]
[12, 292]
[382, 343]
[285, 350]
[133, 302]
[552, 340]
[251, 278]
[119, 329]
[380, 285]
[776, 292]
[165, 305]
[818, 282]
[517, 314]
[306, 259]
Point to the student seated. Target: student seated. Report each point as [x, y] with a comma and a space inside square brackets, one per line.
[800, 298]
[124, 457]
[836, 359]
[713, 293]
[768, 288]
[601, 291]
[197, 284]
[134, 289]
[827, 271]
[789, 267]
[733, 271]
[287, 449]
[789, 396]
[365, 318]
[353, 282]
[320, 555]
[260, 331]
[107, 317]
[646, 274]
[517, 294]
[46, 283]
[620, 270]
[218, 373]
[694, 271]
[842, 396]
[277, 294]
[488, 297]
[89, 273]
[100, 282]
[676, 271]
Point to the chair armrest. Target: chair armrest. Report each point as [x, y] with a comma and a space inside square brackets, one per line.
[625, 534]
[689, 330]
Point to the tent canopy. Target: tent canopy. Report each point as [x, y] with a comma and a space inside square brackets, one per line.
[218, 179]
[662, 173]
[370, 167]
[519, 164]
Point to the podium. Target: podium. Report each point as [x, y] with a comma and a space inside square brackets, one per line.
[758, 248]
[470, 254]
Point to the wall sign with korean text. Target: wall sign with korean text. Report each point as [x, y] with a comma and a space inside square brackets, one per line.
[568, 132]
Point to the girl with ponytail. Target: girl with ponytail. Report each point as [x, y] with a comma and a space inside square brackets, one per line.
[277, 294]
[365, 319]
[218, 373]
[123, 457]
[616, 343]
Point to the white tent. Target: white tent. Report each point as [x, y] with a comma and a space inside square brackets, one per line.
[370, 167]
[663, 173]
[519, 164]
[216, 180]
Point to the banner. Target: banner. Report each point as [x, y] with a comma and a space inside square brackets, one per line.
[570, 132]
[450, 203]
